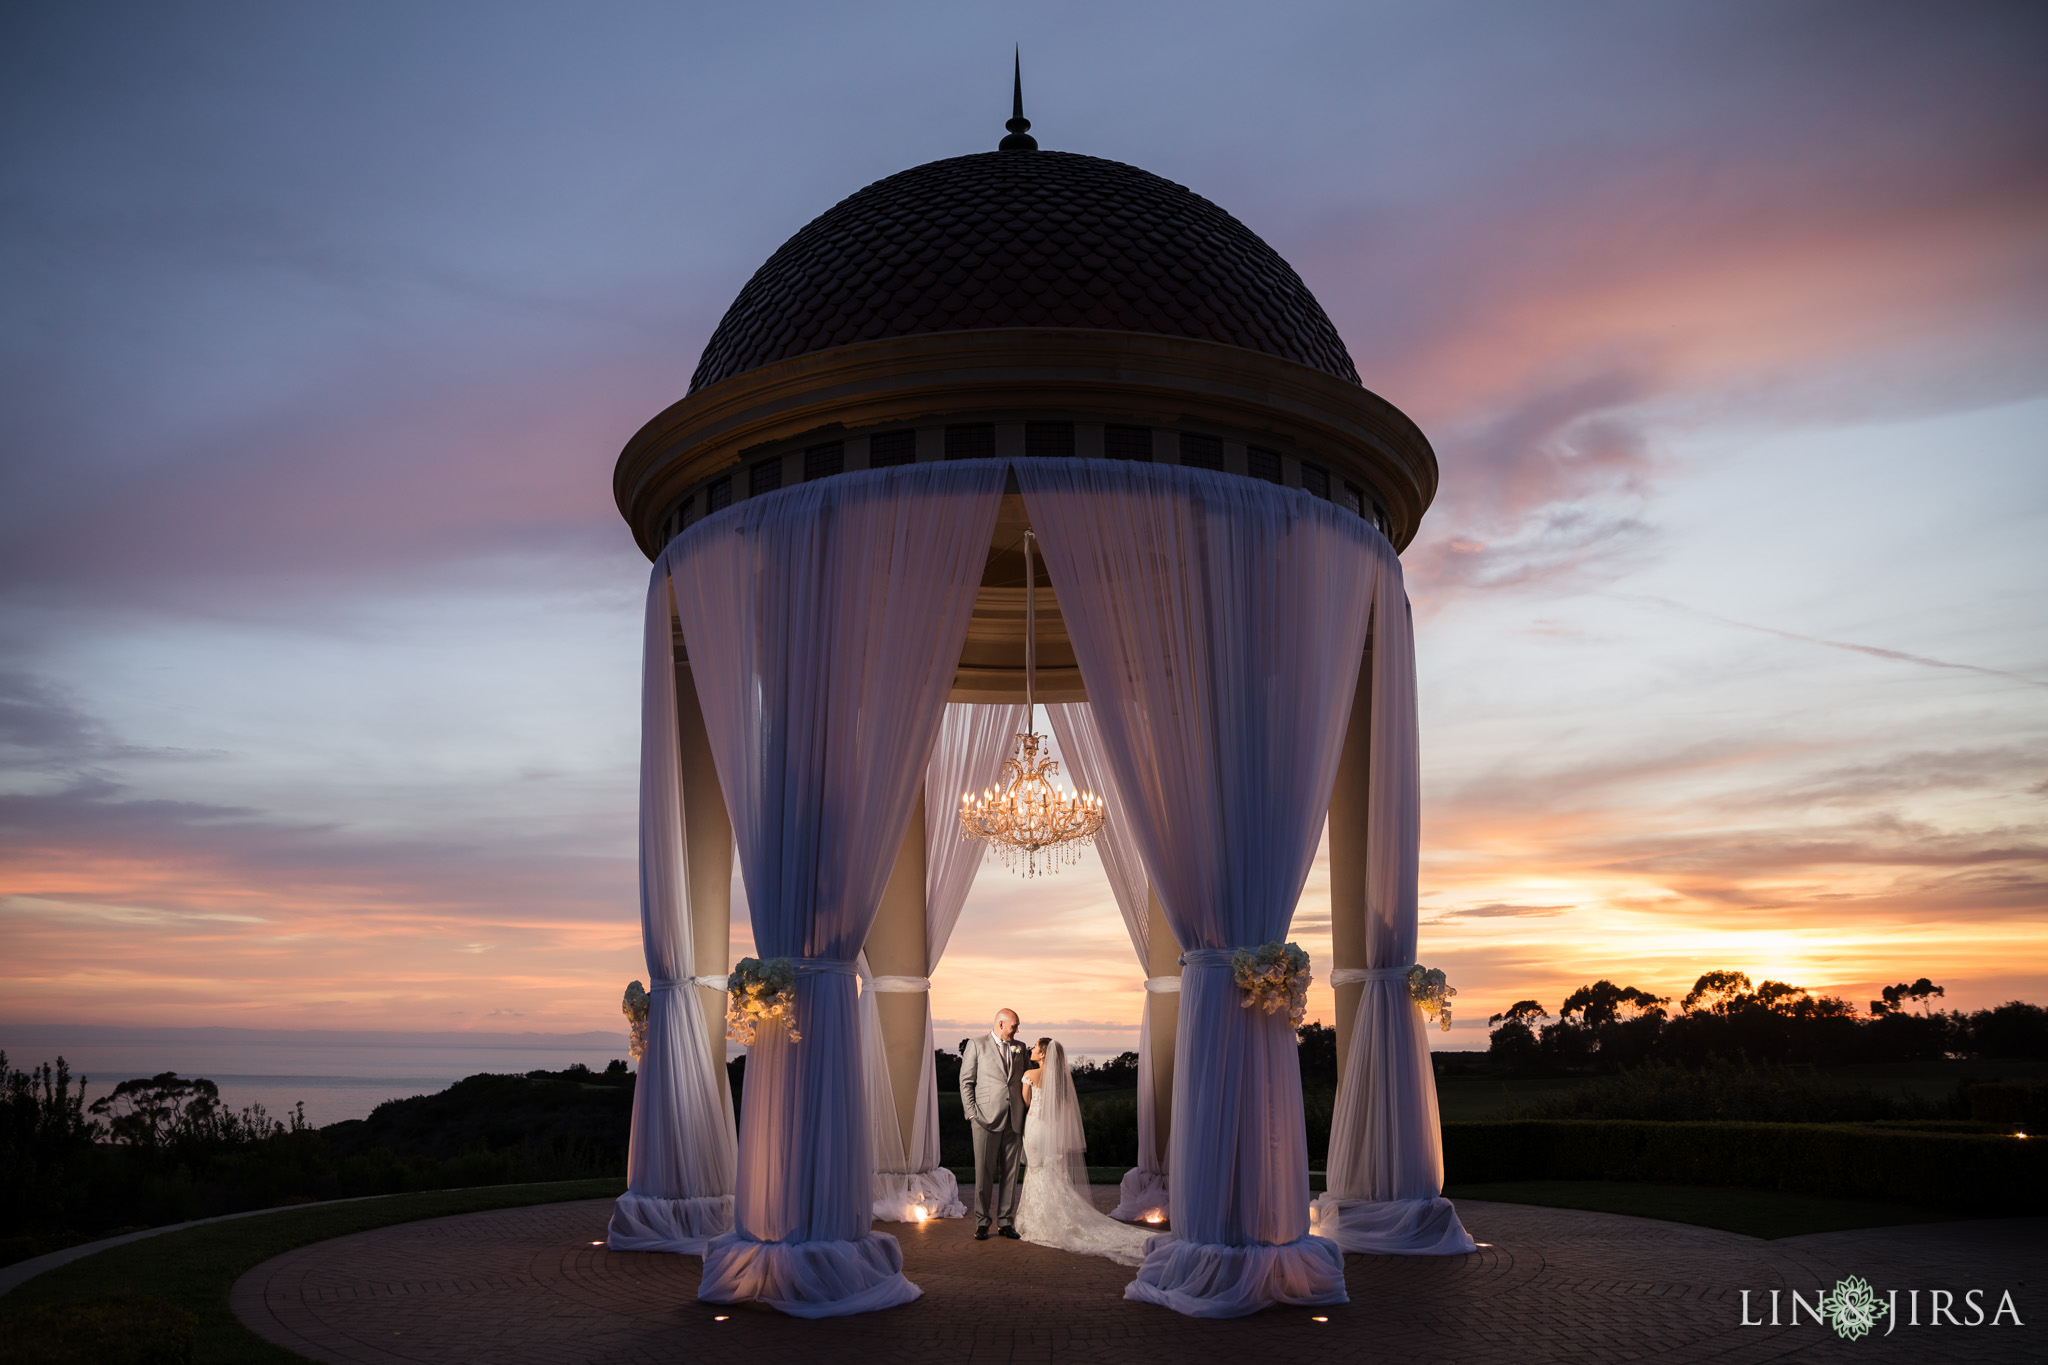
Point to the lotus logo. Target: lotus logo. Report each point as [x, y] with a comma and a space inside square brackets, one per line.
[1854, 1308]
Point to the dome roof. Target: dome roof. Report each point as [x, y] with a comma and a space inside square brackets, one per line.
[1022, 239]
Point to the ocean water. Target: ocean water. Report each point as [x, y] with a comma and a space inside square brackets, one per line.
[337, 1075]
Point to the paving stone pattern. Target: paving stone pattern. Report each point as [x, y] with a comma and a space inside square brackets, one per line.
[526, 1285]
[1022, 239]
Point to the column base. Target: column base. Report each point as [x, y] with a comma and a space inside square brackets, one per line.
[807, 1279]
[1213, 1281]
[899, 1195]
[1141, 1194]
[1391, 1227]
[646, 1222]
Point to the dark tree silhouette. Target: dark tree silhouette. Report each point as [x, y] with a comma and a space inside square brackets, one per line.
[1716, 992]
[1895, 997]
[1603, 1003]
[1521, 1012]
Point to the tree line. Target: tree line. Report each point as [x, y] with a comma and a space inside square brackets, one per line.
[1725, 1016]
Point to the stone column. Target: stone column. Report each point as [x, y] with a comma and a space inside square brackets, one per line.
[1350, 800]
[707, 841]
[1162, 1016]
[896, 947]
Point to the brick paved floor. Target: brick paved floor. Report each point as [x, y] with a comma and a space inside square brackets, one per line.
[526, 1285]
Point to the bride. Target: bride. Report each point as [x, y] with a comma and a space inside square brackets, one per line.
[1055, 1209]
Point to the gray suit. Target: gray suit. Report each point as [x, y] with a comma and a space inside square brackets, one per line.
[992, 1095]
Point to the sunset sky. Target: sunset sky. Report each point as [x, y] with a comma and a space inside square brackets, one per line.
[323, 327]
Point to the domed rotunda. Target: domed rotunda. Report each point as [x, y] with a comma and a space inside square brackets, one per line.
[1024, 425]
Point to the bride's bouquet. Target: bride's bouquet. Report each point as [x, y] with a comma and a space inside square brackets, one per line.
[1273, 978]
[1429, 988]
[757, 993]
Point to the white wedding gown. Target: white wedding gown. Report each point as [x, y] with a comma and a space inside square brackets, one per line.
[1054, 1209]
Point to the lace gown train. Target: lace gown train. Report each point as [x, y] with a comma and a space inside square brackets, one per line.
[1054, 1209]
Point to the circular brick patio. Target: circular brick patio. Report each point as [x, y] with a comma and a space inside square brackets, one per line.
[528, 1285]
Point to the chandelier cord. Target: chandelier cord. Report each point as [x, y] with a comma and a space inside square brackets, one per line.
[1028, 815]
[1030, 633]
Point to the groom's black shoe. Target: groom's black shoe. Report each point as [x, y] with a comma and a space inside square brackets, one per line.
[1010, 1233]
[981, 1233]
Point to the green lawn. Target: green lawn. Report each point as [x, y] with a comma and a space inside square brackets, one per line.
[1471, 1098]
[1754, 1213]
[195, 1268]
[1468, 1097]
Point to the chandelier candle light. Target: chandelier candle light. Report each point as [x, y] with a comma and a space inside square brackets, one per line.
[1027, 815]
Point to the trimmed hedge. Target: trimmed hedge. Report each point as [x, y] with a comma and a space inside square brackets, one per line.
[1963, 1171]
[113, 1329]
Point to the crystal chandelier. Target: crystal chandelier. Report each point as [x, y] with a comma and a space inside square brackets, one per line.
[1026, 816]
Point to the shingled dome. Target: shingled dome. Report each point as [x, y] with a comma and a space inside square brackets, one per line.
[1022, 239]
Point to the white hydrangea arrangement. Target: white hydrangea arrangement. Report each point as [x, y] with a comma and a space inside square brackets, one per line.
[758, 993]
[1273, 978]
[1429, 988]
[634, 1007]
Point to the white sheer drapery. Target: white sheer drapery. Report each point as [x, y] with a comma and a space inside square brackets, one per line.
[908, 1186]
[1386, 1167]
[1218, 622]
[824, 626]
[681, 1157]
[968, 754]
[1073, 725]
[1144, 1187]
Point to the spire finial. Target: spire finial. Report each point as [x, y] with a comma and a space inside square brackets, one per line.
[1020, 139]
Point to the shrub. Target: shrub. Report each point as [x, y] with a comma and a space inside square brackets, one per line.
[1964, 1171]
[1318, 1110]
[1109, 1121]
[1513, 1048]
[1725, 1091]
[115, 1329]
[2014, 1029]
[2022, 1104]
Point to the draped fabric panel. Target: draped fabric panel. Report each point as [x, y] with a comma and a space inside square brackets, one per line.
[904, 1182]
[824, 624]
[1144, 1187]
[681, 1157]
[1218, 622]
[1386, 1167]
[1073, 725]
[968, 754]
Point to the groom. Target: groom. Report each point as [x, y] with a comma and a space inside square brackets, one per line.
[992, 1071]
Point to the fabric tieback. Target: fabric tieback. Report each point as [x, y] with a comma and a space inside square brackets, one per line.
[1162, 985]
[1210, 957]
[655, 985]
[905, 985]
[1352, 976]
[824, 966]
[716, 983]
